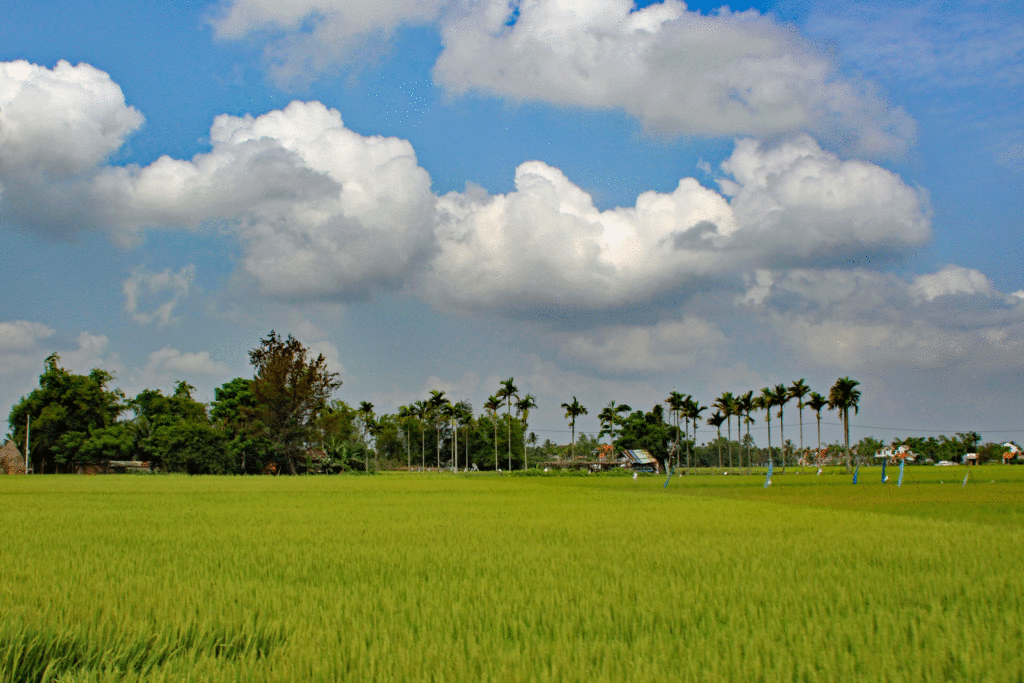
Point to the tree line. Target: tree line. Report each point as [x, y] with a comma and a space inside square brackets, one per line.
[285, 420]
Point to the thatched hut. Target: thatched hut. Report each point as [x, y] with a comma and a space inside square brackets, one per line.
[11, 460]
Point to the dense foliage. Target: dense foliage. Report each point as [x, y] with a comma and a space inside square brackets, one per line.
[285, 419]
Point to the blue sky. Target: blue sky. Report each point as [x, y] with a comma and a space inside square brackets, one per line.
[600, 200]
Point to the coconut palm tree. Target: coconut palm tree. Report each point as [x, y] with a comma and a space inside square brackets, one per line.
[716, 421]
[523, 407]
[780, 396]
[493, 405]
[507, 392]
[572, 411]
[437, 402]
[816, 402]
[798, 390]
[842, 396]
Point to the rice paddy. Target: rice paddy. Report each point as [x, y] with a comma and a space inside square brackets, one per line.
[441, 577]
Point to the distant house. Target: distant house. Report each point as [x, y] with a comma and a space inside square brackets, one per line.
[640, 459]
[11, 461]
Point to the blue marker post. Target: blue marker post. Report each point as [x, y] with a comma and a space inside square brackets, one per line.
[900, 481]
[856, 471]
[884, 478]
[768, 479]
[668, 480]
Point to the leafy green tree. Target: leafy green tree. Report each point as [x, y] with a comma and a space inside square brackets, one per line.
[648, 431]
[64, 411]
[291, 390]
[234, 411]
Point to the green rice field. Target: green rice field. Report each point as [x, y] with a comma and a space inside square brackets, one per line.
[444, 577]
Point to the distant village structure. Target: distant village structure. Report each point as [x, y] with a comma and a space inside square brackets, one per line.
[11, 460]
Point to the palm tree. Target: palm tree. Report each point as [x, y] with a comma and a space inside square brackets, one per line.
[421, 409]
[745, 406]
[404, 414]
[449, 411]
[696, 410]
[798, 390]
[727, 404]
[523, 407]
[816, 402]
[716, 421]
[493, 405]
[675, 402]
[437, 402]
[842, 396]
[464, 416]
[572, 411]
[765, 402]
[507, 392]
[692, 410]
[532, 440]
[780, 396]
[366, 411]
[374, 428]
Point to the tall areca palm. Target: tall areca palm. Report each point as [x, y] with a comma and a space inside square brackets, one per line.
[780, 396]
[716, 421]
[798, 390]
[374, 427]
[572, 411]
[507, 392]
[421, 408]
[816, 402]
[366, 411]
[405, 413]
[450, 413]
[493, 405]
[437, 402]
[745, 406]
[692, 410]
[842, 396]
[675, 401]
[765, 402]
[727, 404]
[523, 407]
[464, 417]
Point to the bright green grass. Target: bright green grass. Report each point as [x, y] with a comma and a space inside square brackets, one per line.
[425, 577]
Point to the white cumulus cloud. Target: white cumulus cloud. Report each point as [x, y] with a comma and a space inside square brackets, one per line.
[321, 211]
[546, 245]
[150, 297]
[56, 127]
[720, 74]
[317, 33]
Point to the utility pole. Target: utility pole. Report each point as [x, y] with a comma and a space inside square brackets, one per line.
[27, 425]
